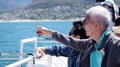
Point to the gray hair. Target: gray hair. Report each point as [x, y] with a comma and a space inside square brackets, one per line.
[99, 14]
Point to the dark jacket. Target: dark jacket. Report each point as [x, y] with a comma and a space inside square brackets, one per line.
[110, 48]
[73, 55]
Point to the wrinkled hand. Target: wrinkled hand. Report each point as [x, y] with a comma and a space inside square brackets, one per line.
[43, 31]
[40, 52]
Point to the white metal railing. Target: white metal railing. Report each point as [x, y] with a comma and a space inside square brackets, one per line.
[33, 39]
[22, 61]
[30, 59]
[22, 42]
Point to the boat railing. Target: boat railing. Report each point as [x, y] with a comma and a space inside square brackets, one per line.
[22, 42]
[19, 63]
[31, 58]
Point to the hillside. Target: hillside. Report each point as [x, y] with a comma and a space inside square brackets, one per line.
[50, 9]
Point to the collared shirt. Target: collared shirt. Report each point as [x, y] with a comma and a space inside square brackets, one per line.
[96, 56]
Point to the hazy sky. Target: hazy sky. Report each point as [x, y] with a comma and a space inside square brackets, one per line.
[6, 5]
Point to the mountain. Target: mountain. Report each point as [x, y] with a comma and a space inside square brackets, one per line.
[51, 3]
[50, 9]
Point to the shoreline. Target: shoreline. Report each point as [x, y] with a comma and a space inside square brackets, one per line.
[44, 20]
[36, 20]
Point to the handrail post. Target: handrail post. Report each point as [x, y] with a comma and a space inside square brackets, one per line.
[35, 44]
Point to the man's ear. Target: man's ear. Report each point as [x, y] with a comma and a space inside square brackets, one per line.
[97, 25]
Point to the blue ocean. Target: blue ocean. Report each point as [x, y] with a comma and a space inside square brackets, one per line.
[12, 32]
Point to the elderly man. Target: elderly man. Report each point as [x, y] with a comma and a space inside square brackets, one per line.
[102, 49]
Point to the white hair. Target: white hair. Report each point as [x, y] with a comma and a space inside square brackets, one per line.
[99, 14]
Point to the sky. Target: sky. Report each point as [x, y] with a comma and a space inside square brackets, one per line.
[6, 5]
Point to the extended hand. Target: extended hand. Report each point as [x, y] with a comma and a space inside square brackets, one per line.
[43, 31]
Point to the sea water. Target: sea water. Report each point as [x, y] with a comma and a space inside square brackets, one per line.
[12, 32]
